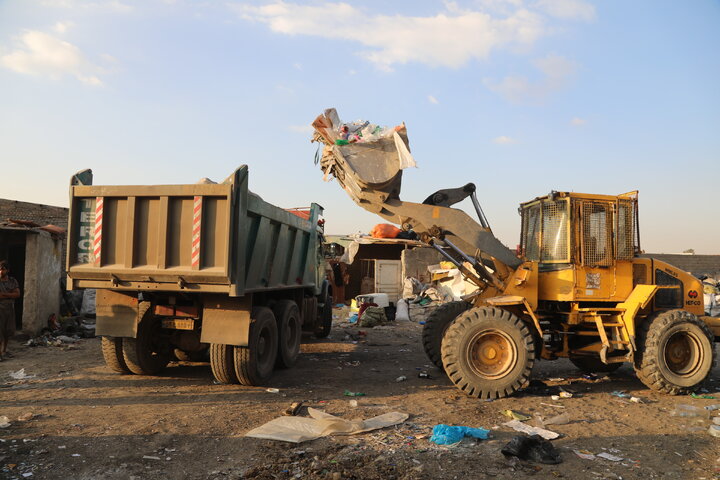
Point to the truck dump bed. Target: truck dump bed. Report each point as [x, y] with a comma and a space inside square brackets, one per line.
[198, 238]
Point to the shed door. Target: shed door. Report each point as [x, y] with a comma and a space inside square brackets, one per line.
[388, 278]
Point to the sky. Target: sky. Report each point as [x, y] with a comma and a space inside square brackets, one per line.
[520, 97]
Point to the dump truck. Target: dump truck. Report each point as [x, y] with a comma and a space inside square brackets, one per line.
[190, 271]
[575, 289]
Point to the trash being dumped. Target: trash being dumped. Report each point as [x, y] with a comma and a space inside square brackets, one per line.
[533, 448]
[301, 429]
[20, 375]
[448, 435]
[515, 415]
[518, 426]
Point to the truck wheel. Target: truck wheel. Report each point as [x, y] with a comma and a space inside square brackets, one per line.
[488, 352]
[146, 354]
[590, 364]
[289, 332]
[675, 352]
[221, 363]
[435, 326]
[113, 354]
[254, 364]
[324, 324]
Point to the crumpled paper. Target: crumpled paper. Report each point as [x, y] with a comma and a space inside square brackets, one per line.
[302, 429]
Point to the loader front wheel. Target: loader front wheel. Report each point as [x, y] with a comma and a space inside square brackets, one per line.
[488, 352]
[254, 364]
[148, 353]
[113, 354]
[435, 326]
[675, 352]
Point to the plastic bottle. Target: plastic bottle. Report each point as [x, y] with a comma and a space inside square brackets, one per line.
[689, 411]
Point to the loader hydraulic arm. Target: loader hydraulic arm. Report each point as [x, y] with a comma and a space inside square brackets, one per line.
[371, 174]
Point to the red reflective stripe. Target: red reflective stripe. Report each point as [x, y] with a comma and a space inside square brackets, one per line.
[97, 240]
[197, 228]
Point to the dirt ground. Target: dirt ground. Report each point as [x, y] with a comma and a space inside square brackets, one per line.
[75, 419]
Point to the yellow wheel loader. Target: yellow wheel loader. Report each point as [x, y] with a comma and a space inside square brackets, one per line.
[577, 287]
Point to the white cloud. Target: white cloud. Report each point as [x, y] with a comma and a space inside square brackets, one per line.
[448, 39]
[110, 5]
[578, 122]
[432, 100]
[62, 27]
[569, 9]
[41, 54]
[556, 72]
[504, 140]
[297, 66]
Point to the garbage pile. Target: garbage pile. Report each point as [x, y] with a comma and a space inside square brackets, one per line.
[711, 291]
[447, 284]
[63, 332]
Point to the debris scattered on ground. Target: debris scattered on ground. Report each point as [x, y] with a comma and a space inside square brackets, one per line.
[293, 409]
[609, 456]
[301, 429]
[519, 426]
[4, 422]
[272, 390]
[562, 419]
[348, 393]
[516, 415]
[704, 397]
[533, 448]
[20, 375]
[448, 435]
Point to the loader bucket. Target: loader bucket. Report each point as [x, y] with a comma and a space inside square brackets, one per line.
[367, 170]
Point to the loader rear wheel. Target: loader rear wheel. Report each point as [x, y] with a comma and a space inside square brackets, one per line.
[147, 353]
[435, 326]
[488, 352]
[113, 354]
[254, 364]
[289, 332]
[221, 363]
[675, 352]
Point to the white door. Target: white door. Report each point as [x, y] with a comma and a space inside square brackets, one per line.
[388, 278]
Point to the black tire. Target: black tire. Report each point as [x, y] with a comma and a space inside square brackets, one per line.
[287, 315]
[675, 352]
[488, 352]
[222, 364]
[146, 354]
[324, 324]
[113, 354]
[254, 364]
[592, 364]
[435, 326]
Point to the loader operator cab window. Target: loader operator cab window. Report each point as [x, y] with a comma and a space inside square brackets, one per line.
[546, 227]
[597, 247]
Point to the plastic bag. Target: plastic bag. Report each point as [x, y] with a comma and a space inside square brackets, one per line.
[384, 230]
[447, 435]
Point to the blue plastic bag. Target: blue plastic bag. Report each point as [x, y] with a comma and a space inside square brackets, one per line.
[447, 435]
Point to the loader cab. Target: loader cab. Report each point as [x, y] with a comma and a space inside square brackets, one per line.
[594, 236]
[568, 228]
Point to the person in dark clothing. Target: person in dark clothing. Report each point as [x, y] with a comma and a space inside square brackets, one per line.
[9, 291]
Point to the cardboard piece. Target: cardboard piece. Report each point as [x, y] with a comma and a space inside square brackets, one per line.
[302, 429]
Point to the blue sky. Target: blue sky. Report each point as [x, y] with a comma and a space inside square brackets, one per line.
[519, 96]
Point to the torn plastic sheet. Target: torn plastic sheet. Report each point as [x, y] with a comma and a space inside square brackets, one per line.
[302, 429]
[518, 426]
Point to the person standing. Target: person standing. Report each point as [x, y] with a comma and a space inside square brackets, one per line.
[9, 291]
